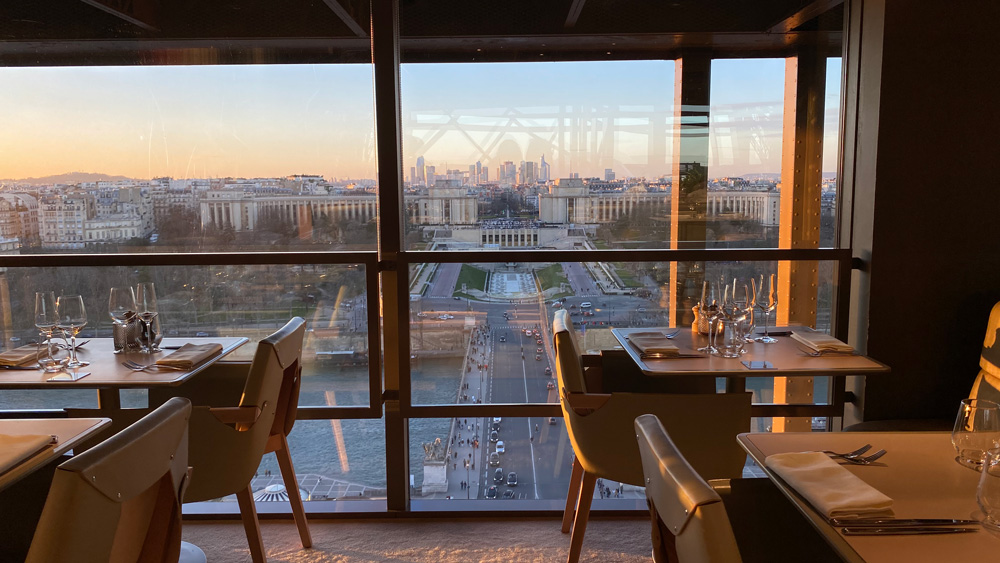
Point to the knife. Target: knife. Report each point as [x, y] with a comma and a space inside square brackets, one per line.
[27, 368]
[904, 531]
[905, 522]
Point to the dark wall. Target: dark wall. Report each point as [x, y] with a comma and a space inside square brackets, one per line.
[935, 264]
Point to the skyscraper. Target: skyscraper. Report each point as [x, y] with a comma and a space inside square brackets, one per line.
[543, 170]
[420, 170]
[479, 173]
[609, 174]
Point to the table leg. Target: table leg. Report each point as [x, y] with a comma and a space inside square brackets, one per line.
[736, 384]
[108, 399]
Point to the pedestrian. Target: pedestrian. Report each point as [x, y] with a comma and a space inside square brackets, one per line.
[454, 466]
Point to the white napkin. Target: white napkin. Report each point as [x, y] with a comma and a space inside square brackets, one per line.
[821, 342]
[16, 448]
[831, 489]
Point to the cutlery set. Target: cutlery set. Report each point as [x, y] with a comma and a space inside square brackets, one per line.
[856, 456]
[903, 526]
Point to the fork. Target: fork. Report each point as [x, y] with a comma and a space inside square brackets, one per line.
[855, 453]
[136, 366]
[866, 460]
[671, 334]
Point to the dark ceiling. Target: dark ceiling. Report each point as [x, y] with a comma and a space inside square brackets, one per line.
[102, 31]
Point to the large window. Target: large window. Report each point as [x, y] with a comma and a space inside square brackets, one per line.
[423, 228]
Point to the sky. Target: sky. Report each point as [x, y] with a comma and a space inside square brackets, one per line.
[278, 120]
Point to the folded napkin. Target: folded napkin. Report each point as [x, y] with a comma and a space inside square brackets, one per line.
[15, 449]
[831, 489]
[821, 342]
[19, 356]
[190, 355]
[653, 344]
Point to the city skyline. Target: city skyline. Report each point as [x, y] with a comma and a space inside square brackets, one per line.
[273, 121]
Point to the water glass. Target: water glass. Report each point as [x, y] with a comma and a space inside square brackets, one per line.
[988, 493]
[53, 352]
[977, 429]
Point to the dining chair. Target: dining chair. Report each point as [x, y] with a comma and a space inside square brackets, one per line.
[985, 386]
[600, 428]
[242, 411]
[120, 500]
[689, 519]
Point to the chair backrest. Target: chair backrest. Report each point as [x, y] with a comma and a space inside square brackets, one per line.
[274, 375]
[695, 526]
[569, 369]
[987, 384]
[120, 500]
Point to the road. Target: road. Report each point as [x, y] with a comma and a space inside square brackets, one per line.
[504, 369]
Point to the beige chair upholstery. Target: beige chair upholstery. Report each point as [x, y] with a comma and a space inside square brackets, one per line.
[704, 427]
[120, 500]
[243, 411]
[689, 518]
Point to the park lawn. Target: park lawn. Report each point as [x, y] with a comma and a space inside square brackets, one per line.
[628, 280]
[472, 277]
[551, 276]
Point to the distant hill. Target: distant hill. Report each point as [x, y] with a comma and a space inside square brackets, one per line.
[69, 178]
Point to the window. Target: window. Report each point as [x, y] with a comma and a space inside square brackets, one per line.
[244, 176]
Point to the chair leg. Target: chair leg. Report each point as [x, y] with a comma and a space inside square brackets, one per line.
[292, 486]
[572, 495]
[249, 514]
[582, 514]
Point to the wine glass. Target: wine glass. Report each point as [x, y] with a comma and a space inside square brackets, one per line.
[121, 307]
[988, 492]
[977, 429]
[710, 309]
[767, 303]
[145, 299]
[46, 319]
[734, 312]
[72, 319]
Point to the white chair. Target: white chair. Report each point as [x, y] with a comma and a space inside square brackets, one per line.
[120, 500]
[690, 524]
[600, 428]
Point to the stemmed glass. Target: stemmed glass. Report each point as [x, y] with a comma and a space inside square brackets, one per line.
[145, 299]
[711, 310]
[977, 429]
[121, 307]
[767, 303]
[46, 320]
[72, 319]
[988, 492]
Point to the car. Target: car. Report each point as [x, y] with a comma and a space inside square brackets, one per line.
[538, 357]
[491, 492]
[497, 419]
[550, 385]
[421, 314]
[508, 494]
[641, 309]
[201, 334]
[539, 350]
[500, 447]
[495, 426]
[494, 459]
[493, 436]
[457, 298]
[553, 420]
[556, 305]
[548, 370]
[527, 332]
[503, 338]
[450, 316]
[512, 479]
[443, 317]
[585, 305]
[588, 314]
[539, 342]
[498, 475]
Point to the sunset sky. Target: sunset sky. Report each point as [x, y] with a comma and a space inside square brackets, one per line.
[256, 120]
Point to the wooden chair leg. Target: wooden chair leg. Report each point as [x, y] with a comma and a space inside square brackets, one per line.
[249, 514]
[292, 486]
[582, 514]
[572, 496]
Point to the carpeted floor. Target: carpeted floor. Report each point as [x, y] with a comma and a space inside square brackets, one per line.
[428, 541]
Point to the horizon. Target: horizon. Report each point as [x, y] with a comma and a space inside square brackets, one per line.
[252, 121]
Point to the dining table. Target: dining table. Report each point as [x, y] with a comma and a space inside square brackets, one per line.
[66, 433]
[107, 374]
[918, 472]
